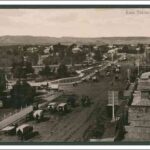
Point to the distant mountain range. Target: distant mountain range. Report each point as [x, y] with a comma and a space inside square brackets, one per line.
[24, 40]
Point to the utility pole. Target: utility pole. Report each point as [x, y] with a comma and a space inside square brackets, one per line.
[128, 73]
[112, 57]
[71, 61]
[138, 63]
[113, 103]
[138, 68]
[113, 106]
[113, 96]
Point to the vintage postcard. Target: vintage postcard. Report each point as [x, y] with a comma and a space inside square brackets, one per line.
[74, 75]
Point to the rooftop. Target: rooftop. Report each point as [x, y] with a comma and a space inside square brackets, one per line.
[143, 85]
[62, 104]
[138, 101]
[52, 103]
[23, 126]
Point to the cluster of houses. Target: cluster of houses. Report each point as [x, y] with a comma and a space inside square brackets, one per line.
[48, 51]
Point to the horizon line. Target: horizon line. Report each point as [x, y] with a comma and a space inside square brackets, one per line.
[78, 36]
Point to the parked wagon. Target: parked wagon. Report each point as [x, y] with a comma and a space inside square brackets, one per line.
[84, 79]
[85, 101]
[38, 115]
[107, 73]
[117, 77]
[75, 84]
[24, 131]
[52, 106]
[35, 106]
[117, 70]
[63, 108]
[118, 66]
[72, 100]
[96, 71]
[94, 79]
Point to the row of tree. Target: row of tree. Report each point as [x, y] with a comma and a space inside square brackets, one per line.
[133, 49]
[67, 56]
[22, 94]
[23, 69]
[61, 72]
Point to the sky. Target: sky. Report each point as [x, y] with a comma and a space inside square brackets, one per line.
[75, 22]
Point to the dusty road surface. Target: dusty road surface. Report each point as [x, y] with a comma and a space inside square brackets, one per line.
[72, 126]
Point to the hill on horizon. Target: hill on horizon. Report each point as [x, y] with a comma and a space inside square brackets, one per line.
[43, 40]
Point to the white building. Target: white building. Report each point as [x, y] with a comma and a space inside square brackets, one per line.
[76, 50]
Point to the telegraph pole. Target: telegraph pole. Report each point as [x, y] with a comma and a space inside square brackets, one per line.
[128, 72]
[112, 57]
[138, 63]
[138, 68]
[113, 96]
[113, 106]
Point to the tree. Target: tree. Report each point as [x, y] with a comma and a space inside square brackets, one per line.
[22, 94]
[69, 50]
[2, 81]
[33, 57]
[62, 71]
[103, 48]
[125, 49]
[79, 57]
[97, 55]
[46, 71]
[142, 48]
[20, 70]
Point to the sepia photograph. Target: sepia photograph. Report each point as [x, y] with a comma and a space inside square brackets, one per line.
[74, 75]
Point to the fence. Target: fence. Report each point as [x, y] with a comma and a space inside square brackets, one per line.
[64, 80]
[71, 80]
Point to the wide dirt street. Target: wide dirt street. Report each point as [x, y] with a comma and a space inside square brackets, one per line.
[72, 126]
